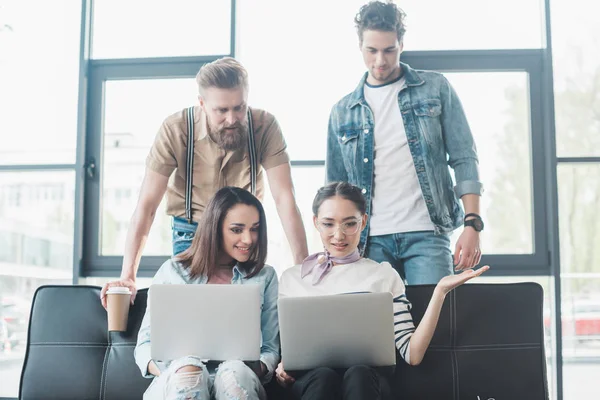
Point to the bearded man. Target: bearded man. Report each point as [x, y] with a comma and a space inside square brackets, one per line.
[220, 142]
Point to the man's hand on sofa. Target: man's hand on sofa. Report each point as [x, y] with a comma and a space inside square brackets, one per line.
[283, 378]
[128, 283]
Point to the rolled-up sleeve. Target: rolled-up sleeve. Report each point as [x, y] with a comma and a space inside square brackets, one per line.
[334, 163]
[269, 351]
[273, 149]
[161, 158]
[459, 142]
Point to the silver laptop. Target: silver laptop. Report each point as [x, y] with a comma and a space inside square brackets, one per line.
[337, 331]
[215, 322]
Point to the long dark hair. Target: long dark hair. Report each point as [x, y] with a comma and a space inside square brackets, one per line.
[344, 190]
[202, 257]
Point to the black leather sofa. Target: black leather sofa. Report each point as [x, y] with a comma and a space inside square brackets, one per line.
[488, 345]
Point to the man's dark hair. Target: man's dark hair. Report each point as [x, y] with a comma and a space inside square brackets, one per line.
[344, 190]
[380, 16]
[202, 257]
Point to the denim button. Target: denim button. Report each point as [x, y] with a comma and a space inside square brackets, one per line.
[364, 191]
[366, 131]
[366, 160]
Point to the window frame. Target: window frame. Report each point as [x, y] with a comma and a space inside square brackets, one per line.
[528, 61]
[99, 72]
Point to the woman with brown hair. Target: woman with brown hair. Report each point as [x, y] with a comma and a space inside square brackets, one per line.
[230, 247]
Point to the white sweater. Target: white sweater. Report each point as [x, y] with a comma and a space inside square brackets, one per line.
[364, 275]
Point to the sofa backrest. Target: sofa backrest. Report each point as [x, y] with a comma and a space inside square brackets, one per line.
[488, 344]
[71, 355]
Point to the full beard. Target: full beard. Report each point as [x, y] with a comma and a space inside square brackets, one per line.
[230, 138]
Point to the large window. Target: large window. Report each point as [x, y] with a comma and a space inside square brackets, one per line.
[498, 91]
[36, 248]
[576, 54]
[133, 113]
[307, 180]
[39, 78]
[473, 24]
[576, 64]
[298, 77]
[137, 28]
[74, 137]
[143, 60]
[579, 197]
[499, 118]
[39, 88]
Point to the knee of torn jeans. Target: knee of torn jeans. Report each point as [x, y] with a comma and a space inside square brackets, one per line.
[188, 368]
[187, 362]
[228, 375]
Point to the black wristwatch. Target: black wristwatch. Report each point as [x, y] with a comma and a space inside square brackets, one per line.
[476, 223]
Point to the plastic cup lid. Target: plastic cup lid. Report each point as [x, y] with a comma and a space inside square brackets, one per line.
[118, 290]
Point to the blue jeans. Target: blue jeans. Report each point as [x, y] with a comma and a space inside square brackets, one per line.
[419, 257]
[232, 380]
[183, 234]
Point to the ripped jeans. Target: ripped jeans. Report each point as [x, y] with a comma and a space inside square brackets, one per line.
[233, 380]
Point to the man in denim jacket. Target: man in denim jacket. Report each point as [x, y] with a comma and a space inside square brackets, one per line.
[395, 137]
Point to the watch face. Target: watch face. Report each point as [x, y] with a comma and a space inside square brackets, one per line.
[476, 223]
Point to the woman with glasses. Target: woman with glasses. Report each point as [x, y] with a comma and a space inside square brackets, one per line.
[339, 214]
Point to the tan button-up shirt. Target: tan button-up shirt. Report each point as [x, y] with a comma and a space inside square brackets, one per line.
[214, 167]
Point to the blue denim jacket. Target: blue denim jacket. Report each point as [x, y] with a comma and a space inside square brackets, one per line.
[172, 272]
[438, 136]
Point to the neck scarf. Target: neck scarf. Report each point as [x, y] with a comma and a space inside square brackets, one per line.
[321, 263]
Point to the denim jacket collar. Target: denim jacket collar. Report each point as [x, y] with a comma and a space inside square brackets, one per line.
[238, 273]
[358, 96]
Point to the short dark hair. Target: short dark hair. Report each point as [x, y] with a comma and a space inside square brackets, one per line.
[344, 190]
[202, 257]
[380, 16]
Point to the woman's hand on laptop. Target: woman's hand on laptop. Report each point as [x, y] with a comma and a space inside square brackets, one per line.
[282, 377]
[128, 283]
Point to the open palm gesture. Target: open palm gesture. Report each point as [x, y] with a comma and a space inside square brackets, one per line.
[447, 283]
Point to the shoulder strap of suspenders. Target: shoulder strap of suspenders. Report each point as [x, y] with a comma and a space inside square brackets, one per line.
[189, 165]
[189, 162]
[252, 153]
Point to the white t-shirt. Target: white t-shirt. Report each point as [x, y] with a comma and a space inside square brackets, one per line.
[364, 275]
[398, 205]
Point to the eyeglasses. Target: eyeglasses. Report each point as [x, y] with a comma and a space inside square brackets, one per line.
[347, 227]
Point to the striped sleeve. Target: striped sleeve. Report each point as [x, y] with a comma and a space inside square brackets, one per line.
[403, 322]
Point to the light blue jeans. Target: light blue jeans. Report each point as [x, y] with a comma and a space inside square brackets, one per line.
[233, 380]
[419, 257]
[183, 234]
